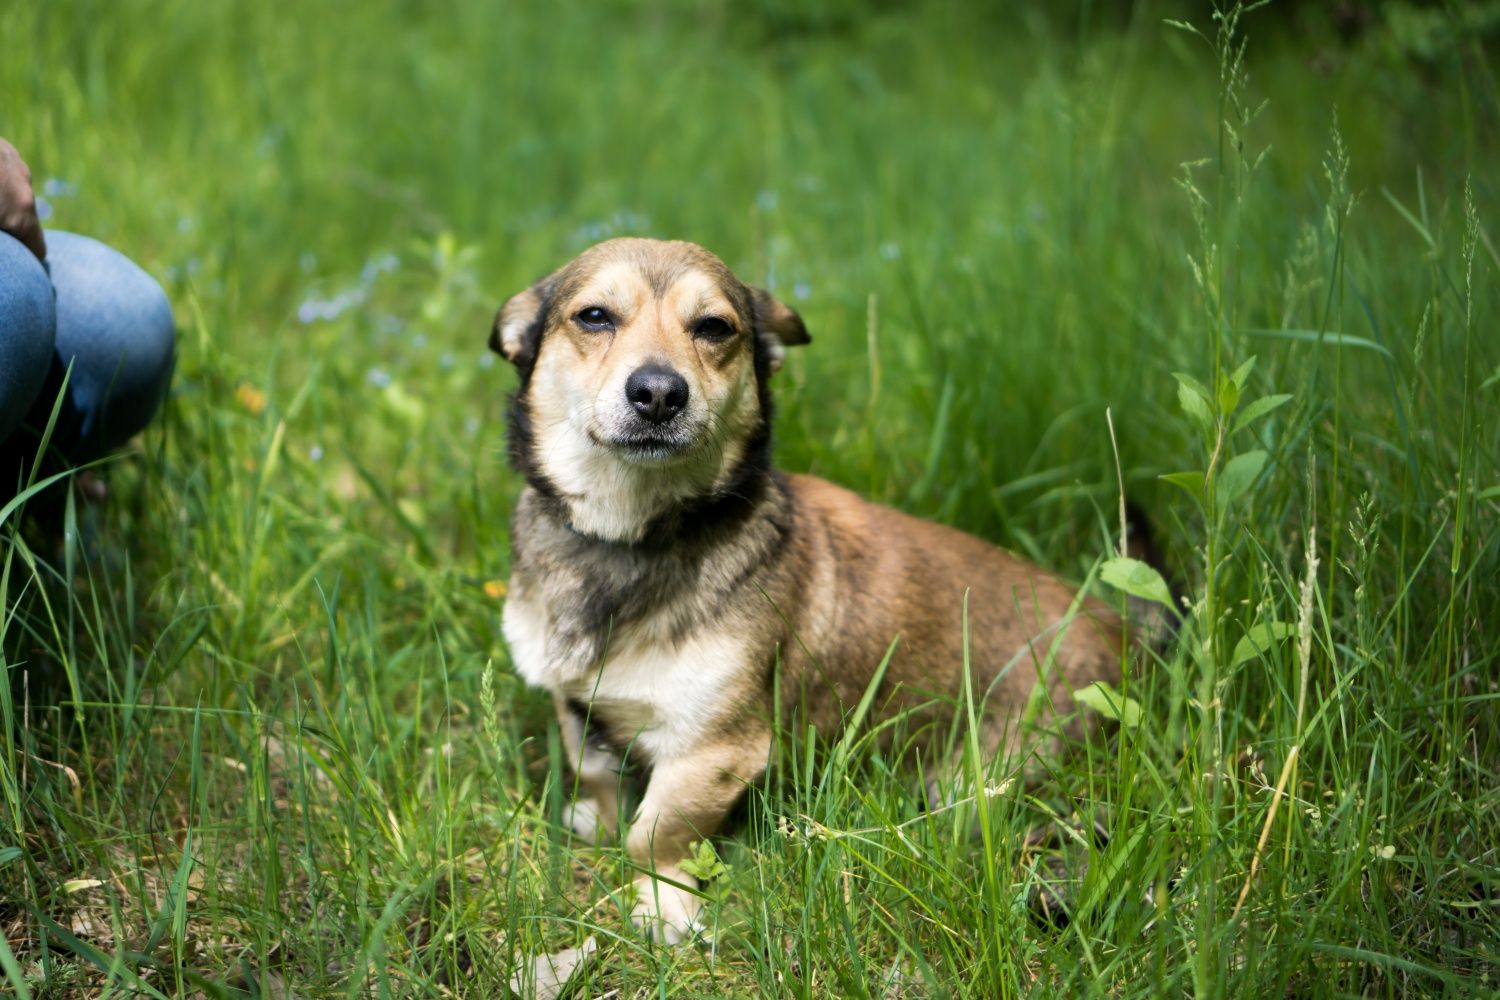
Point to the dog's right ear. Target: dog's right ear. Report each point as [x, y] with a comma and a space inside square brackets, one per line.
[517, 319]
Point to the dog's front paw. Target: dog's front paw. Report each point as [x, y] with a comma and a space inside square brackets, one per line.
[665, 912]
[582, 816]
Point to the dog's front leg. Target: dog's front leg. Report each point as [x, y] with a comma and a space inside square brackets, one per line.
[594, 812]
[686, 800]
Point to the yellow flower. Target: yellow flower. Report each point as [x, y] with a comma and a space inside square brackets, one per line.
[494, 589]
[251, 398]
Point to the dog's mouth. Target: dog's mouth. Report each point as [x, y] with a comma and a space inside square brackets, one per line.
[644, 447]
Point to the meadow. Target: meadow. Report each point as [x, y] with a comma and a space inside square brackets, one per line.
[261, 736]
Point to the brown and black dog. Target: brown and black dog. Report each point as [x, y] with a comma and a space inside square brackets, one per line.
[663, 572]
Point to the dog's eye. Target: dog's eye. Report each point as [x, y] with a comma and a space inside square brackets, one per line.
[713, 328]
[595, 318]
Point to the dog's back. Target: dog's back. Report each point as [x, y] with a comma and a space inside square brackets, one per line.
[863, 575]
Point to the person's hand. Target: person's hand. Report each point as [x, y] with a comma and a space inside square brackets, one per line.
[18, 203]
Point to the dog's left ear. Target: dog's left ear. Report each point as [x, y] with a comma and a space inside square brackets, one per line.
[516, 319]
[777, 325]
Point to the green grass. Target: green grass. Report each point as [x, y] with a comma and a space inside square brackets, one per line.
[261, 695]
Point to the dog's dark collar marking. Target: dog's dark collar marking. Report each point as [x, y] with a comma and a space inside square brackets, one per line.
[686, 522]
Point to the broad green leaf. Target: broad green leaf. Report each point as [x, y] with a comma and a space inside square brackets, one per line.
[1489, 494]
[1190, 481]
[1135, 578]
[1258, 409]
[1238, 475]
[1229, 395]
[1242, 373]
[9, 854]
[1259, 639]
[1104, 699]
[1201, 390]
[1194, 399]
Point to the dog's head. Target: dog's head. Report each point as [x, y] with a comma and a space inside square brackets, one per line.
[643, 370]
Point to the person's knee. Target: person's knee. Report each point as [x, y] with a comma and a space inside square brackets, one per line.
[114, 325]
[28, 323]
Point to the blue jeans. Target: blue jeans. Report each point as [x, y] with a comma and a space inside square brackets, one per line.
[94, 308]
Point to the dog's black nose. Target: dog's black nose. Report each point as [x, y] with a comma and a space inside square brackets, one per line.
[657, 392]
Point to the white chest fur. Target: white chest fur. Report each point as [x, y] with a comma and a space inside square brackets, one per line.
[660, 695]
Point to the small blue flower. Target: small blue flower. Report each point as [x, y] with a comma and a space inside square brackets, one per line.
[592, 232]
[376, 266]
[890, 250]
[627, 221]
[43, 209]
[419, 340]
[447, 360]
[378, 377]
[315, 453]
[471, 426]
[801, 291]
[486, 361]
[315, 308]
[56, 187]
[766, 200]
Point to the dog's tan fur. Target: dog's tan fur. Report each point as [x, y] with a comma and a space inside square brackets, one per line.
[655, 590]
